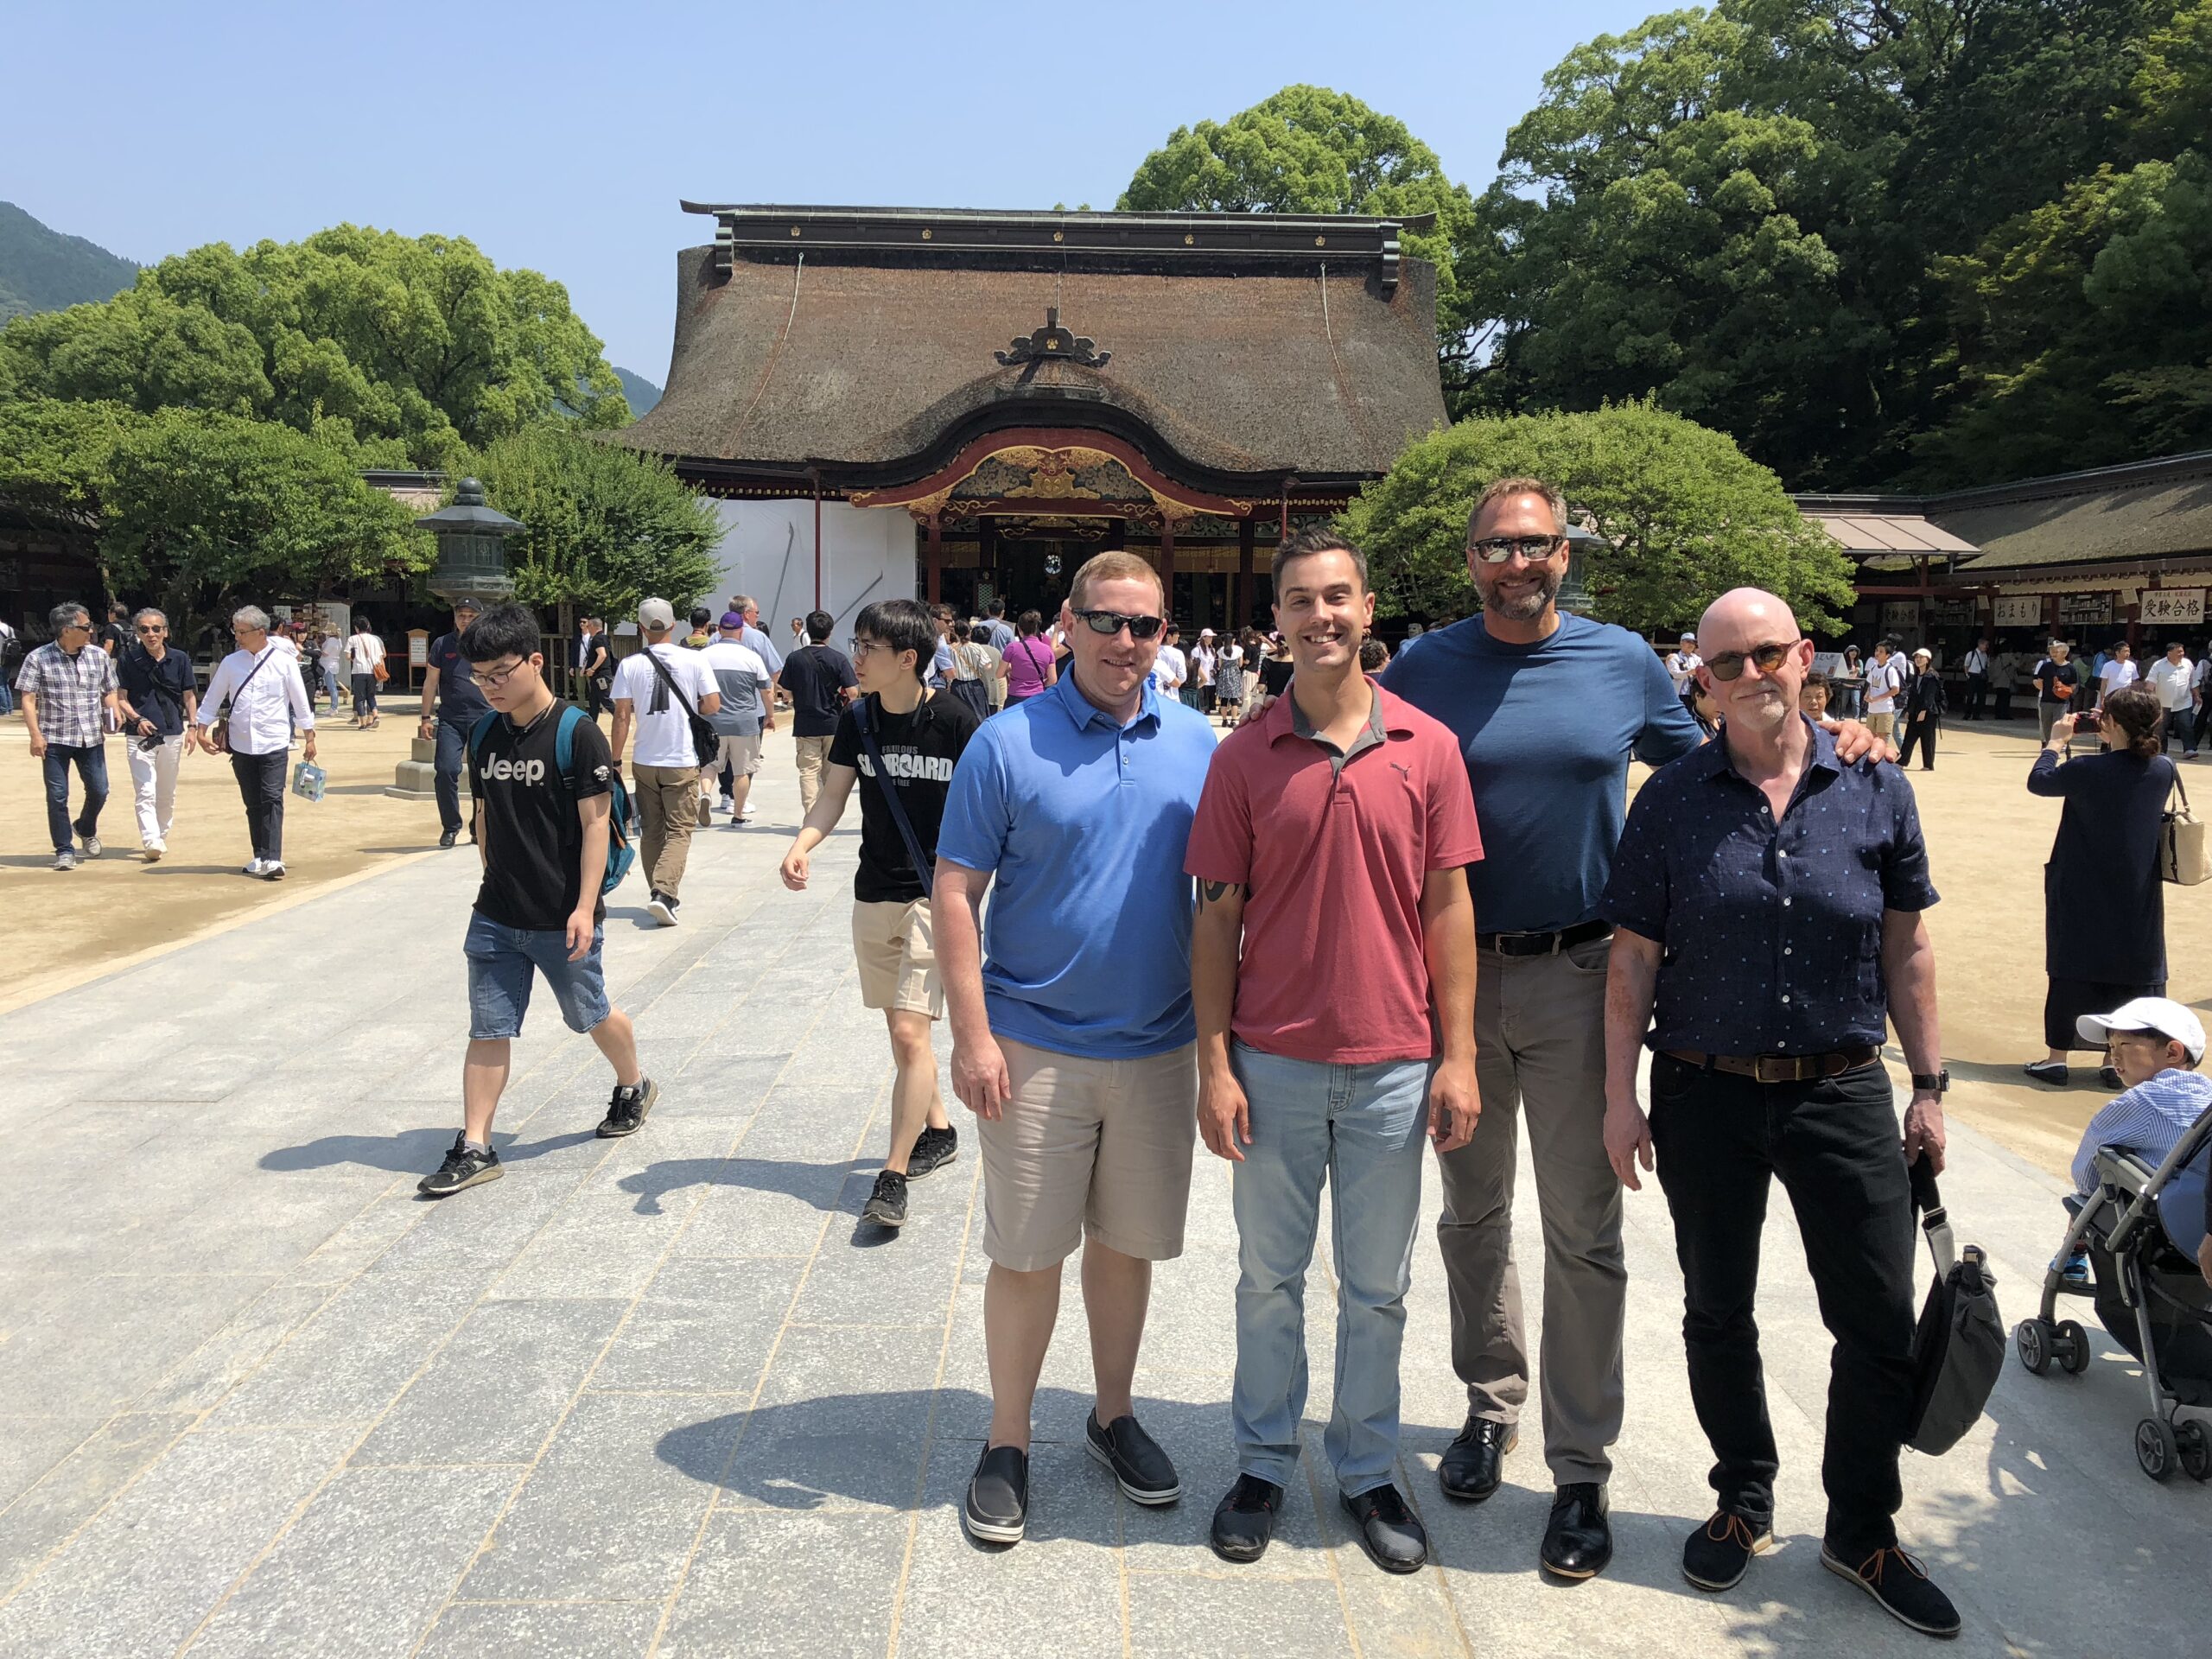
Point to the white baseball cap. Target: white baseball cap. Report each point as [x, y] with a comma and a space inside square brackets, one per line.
[2160, 1015]
[656, 614]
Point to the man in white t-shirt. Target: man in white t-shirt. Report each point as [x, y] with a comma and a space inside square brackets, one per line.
[666, 765]
[2173, 677]
[2117, 673]
[364, 651]
[1683, 661]
[1884, 679]
[743, 680]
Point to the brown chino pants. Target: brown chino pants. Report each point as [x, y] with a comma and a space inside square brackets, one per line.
[667, 799]
[1540, 1052]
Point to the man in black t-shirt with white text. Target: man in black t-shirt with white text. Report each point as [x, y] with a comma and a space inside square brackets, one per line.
[541, 832]
[819, 681]
[919, 733]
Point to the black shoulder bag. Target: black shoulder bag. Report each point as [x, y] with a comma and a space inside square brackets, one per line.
[1959, 1348]
[706, 743]
[925, 867]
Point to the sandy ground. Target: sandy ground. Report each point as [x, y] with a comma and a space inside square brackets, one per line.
[1987, 837]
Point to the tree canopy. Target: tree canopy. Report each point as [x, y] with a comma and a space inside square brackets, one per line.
[1683, 515]
[401, 350]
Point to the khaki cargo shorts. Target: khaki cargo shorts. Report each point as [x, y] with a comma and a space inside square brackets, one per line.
[1097, 1147]
[898, 963]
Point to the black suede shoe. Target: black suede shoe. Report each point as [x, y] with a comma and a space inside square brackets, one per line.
[932, 1149]
[1244, 1520]
[626, 1112]
[1902, 1586]
[1716, 1555]
[1474, 1463]
[1391, 1533]
[1141, 1468]
[997, 1506]
[1577, 1540]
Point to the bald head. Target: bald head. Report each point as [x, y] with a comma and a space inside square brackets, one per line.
[1742, 618]
[1755, 659]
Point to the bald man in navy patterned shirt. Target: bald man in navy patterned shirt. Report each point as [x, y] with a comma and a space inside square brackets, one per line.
[1766, 900]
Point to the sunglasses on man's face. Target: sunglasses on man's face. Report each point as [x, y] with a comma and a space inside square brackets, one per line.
[1729, 664]
[1112, 622]
[1499, 550]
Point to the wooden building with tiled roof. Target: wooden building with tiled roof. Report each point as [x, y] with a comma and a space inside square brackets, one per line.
[965, 404]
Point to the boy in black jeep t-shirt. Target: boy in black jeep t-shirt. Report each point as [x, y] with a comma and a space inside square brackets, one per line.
[921, 734]
[542, 831]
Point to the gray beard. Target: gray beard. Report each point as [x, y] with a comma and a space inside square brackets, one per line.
[1528, 609]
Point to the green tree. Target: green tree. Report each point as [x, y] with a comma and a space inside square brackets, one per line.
[403, 349]
[1683, 515]
[606, 525]
[1308, 149]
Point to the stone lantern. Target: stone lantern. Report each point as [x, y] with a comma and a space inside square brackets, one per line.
[472, 565]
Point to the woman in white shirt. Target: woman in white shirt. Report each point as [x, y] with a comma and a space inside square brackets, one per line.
[364, 651]
[333, 656]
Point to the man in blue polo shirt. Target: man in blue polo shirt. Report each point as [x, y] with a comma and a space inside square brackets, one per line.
[1767, 902]
[1073, 1040]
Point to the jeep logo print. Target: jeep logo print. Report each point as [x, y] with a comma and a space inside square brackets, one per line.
[503, 771]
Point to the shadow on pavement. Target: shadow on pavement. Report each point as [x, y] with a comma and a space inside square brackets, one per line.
[818, 1184]
[408, 1151]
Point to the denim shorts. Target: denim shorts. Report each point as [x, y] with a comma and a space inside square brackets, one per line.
[500, 962]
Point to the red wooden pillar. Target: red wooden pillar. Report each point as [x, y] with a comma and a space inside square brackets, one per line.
[1168, 564]
[936, 558]
[1240, 602]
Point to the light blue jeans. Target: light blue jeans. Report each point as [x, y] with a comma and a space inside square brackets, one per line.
[1362, 1128]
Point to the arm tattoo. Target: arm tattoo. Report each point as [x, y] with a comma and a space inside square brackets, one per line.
[1213, 892]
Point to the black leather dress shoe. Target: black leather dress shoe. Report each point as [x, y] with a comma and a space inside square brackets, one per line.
[446, 837]
[1577, 1540]
[1244, 1520]
[1474, 1463]
[1391, 1533]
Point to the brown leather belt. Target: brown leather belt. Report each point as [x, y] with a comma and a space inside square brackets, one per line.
[1779, 1068]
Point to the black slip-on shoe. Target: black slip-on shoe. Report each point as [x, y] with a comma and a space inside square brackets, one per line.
[886, 1204]
[1577, 1540]
[1902, 1586]
[933, 1149]
[626, 1112]
[996, 1507]
[464, 1167]
[2050, 1072]
[1717, 1555]
[1143, 1471]
[1390, 1533]
[2109, 1076]
[1244, 1520]
[1474, 1463]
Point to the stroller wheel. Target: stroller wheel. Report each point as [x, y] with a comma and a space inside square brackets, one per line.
[2073, 1347]
[2033, 1339]
[2195, 1450]
[2156, 1448]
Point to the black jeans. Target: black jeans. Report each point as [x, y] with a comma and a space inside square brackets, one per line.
[261, 785]
[452, 754]
[1977, 695]
[91, 762]
[1921, 731]
[1835, 1146]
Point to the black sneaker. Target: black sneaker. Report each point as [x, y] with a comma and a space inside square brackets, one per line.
[1141, 1468]
[886, 1205]
[1390, 1533]
[626, 1112]
[662, 909]
[1902, 1586]
[997, 1505]
[1717, 1555]
[464, 1167]
[933, 1149]
[1244, 1520]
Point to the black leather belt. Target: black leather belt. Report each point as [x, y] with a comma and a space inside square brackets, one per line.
[1543, 945]
[1779, 1068]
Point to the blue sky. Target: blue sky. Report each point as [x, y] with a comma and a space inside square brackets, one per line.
[561, 136]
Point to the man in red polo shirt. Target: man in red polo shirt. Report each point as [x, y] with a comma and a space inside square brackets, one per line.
[1334, 941]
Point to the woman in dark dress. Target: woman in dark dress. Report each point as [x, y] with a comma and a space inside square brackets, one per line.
[2104, 924]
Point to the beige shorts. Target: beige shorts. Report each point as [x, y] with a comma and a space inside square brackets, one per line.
[1100, 1147]
[740, 755]
[898, 963]
[1882, 725]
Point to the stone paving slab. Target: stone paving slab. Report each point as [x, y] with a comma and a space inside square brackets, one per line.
[664, 1396]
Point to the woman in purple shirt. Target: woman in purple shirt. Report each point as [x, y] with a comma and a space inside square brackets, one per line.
[1028, 660]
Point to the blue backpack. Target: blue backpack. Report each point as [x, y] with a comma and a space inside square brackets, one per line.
[621, 811]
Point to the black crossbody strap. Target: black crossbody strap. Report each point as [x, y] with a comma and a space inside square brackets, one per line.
[924, 869]
[669, 680]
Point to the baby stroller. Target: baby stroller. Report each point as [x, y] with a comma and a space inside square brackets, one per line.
[2147, 1293]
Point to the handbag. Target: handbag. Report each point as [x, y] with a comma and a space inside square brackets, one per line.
[378, 672]
[222, 729]
[706, 743]
[925, 867]
[2182, 857]
[1958, 1349]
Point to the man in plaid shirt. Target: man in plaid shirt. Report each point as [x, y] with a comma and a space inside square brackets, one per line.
[66, 688]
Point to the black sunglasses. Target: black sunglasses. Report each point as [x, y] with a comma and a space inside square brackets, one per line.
[1729, 664]
[1496, 549]
[1110, 622]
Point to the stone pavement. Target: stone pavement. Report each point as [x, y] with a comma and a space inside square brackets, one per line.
[662, 1395]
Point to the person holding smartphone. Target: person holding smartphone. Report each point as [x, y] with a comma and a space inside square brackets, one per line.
[1334, 940]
